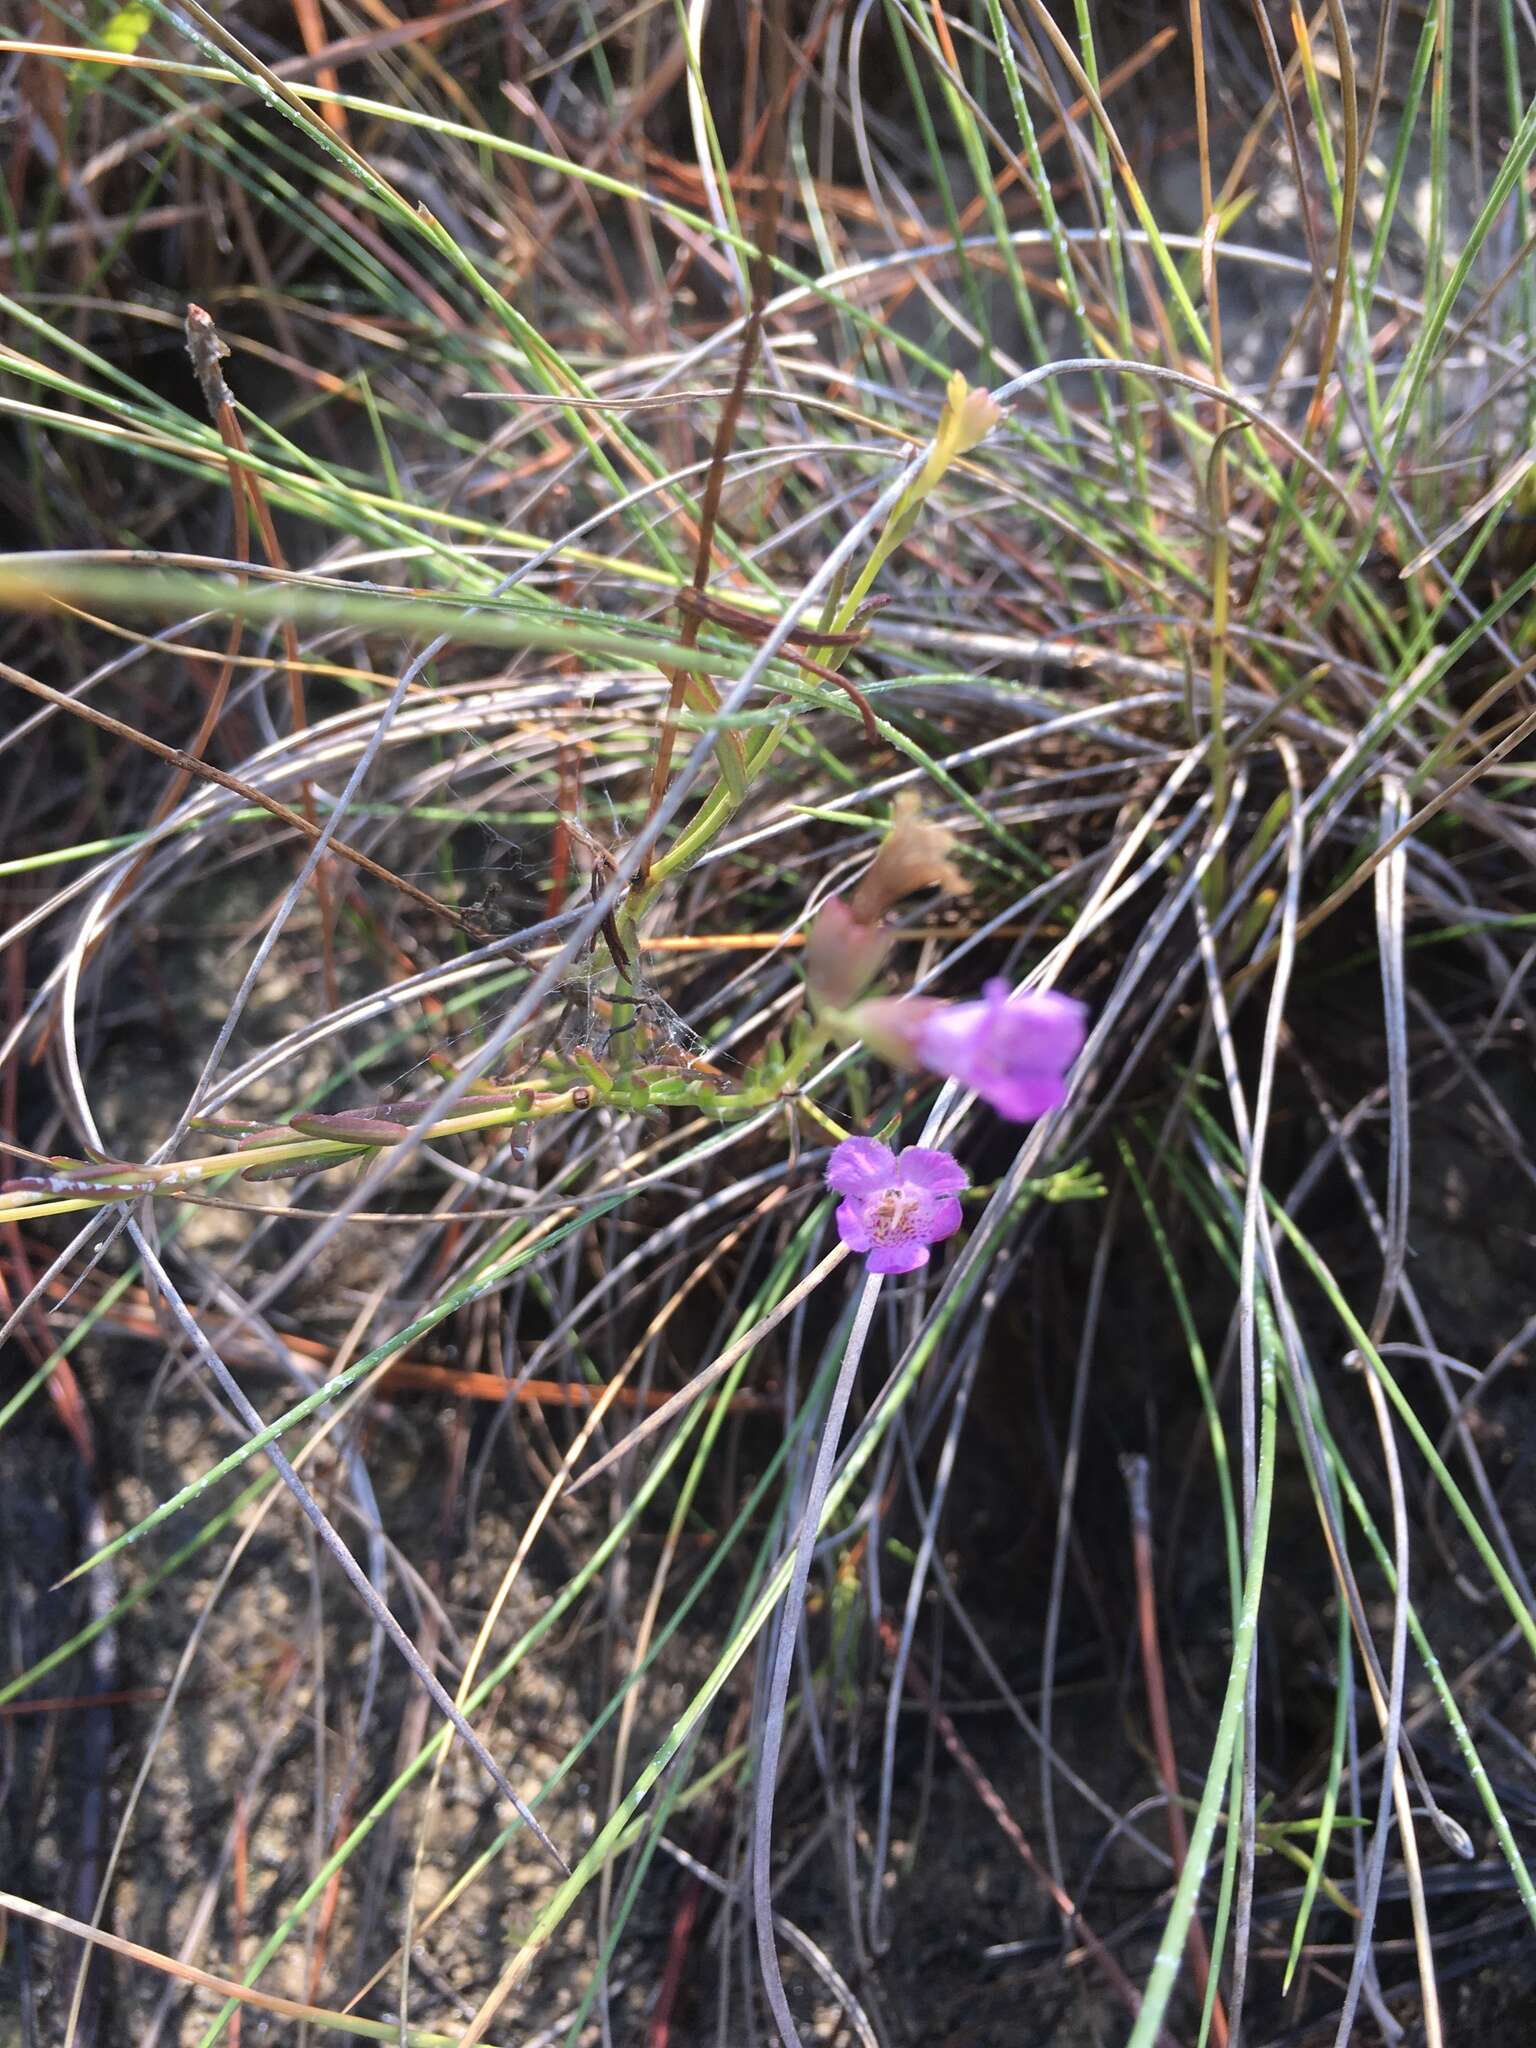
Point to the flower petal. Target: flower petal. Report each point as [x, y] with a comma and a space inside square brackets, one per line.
[948, 1039]
[1053, 1025]
[941, 1219]
[860, 1166]
[897, 1258]
[934, 1171]
[853, 1228]
[1023, 1097]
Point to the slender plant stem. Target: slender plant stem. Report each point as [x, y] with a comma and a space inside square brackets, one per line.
[784, 1662]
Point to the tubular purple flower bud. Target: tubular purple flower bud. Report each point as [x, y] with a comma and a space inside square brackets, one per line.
[1012, 1051]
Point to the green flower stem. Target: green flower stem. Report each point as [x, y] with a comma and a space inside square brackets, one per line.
[98, 1187]
[636, 1088]
[1170, 1949]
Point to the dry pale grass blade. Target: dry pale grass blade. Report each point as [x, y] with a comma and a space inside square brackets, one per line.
[259, 2001]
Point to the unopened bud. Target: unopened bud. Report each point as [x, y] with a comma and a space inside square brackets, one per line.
[843, 954]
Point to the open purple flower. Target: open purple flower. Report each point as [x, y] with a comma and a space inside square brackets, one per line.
[895, 1204]
[1012, 1051]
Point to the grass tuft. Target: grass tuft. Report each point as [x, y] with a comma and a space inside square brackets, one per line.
[505, 510]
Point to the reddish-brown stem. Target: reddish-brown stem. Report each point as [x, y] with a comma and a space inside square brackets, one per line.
[307, 14]
[326, 1918]
[738, 620]
[133, 1314]
[560, 845]
[680, 683]
[686, 1919]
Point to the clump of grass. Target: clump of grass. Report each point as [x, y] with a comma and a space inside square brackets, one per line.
[440, 708]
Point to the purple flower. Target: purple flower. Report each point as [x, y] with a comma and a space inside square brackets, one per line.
[895, 1204]
[1012, 1051]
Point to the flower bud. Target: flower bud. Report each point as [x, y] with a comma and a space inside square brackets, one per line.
[971, 415]
[843, 954]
